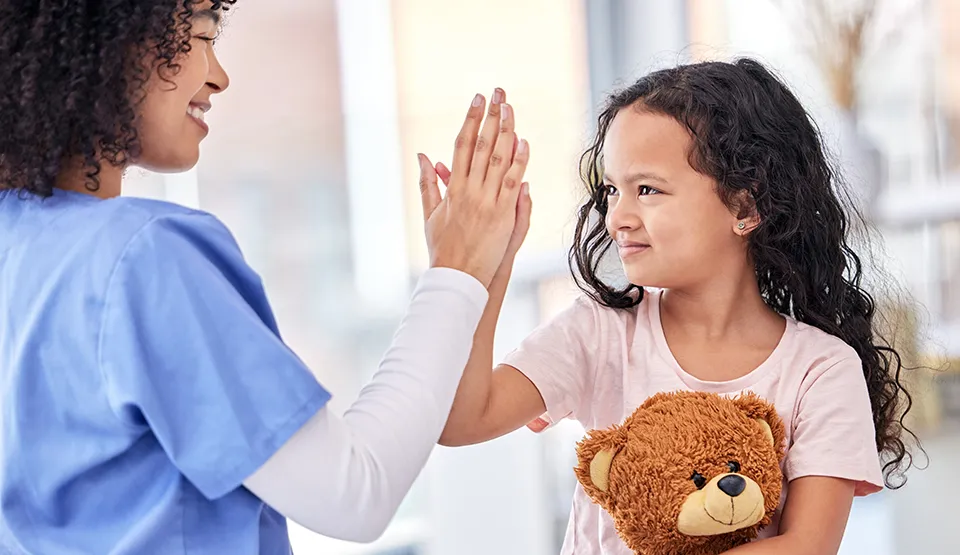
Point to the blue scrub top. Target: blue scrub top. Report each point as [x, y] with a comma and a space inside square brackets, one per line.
[142, 379]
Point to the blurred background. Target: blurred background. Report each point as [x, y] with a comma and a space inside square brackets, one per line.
[312, 164]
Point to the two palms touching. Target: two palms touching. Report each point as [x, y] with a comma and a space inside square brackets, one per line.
[479, 225]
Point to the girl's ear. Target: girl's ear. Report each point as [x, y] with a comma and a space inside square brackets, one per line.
[747, 216]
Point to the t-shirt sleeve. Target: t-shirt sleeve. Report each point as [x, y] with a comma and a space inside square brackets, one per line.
[189, 348]
[834, 432]
[561, 357]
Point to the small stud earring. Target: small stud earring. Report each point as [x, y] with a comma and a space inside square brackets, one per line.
[741, 226]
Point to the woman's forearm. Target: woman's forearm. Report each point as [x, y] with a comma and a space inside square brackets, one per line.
[346, 477]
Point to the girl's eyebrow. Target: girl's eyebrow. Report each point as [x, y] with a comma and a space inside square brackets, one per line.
[639, 176]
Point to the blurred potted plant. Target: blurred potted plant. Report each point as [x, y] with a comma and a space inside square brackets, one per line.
[840, 37]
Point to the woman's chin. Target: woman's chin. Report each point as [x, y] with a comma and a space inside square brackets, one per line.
[171, 163]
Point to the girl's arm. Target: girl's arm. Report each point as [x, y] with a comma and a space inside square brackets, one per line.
[814, 519]
[552, 372]
[490, 403]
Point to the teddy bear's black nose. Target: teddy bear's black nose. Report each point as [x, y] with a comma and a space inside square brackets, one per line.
[732, 485]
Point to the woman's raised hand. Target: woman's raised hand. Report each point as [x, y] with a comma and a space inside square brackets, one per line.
[470, 227]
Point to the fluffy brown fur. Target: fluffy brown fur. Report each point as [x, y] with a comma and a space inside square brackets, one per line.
[658, 449]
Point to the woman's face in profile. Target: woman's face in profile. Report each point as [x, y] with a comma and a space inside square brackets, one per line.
[171, 118]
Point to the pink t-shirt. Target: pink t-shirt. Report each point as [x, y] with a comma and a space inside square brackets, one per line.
[597, 365]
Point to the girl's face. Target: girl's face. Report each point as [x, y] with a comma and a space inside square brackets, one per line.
[171, 122]
[671, 228]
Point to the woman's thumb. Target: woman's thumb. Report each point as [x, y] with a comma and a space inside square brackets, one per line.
[429, 191]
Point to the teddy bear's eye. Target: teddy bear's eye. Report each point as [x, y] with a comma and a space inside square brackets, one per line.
[698, 480]
[734, 466]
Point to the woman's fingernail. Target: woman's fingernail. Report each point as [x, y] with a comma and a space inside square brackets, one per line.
[477, 100]
[522, 149]
[504, 112]
[497, 96]
[421, 160]
[525, 189]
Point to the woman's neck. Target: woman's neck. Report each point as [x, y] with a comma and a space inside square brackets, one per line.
[74, 178]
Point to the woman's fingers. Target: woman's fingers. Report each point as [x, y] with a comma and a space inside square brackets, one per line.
[486, 141]
[510, 185]
[467, 139]
[502, 157]
[477, 219]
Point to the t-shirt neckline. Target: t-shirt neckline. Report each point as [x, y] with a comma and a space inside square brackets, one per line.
[729, 386]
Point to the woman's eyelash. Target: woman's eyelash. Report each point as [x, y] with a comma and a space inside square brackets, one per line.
[206, 37]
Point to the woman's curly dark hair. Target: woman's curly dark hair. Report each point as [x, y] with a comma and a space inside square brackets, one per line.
[750, 133]
[73, 75]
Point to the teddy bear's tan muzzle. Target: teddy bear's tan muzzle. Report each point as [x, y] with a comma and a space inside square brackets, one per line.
[729, 502]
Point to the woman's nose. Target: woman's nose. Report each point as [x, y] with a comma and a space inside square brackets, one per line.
[217, 77]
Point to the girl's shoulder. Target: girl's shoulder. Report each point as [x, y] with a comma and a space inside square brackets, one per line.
[593, 322]
[819, 347]
[588, 309]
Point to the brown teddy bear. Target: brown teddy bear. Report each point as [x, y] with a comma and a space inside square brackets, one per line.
[687, 473]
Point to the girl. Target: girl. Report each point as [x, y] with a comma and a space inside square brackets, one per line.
[712, 182]
[147, 401]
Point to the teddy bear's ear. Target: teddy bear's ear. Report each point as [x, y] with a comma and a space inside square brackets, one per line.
[600, 468]
[595, 454]
[767, 432]
[767, 418]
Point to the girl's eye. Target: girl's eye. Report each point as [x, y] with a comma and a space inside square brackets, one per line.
[647, 190]
[610, 190]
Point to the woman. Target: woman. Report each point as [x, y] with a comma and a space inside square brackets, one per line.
[148, 402]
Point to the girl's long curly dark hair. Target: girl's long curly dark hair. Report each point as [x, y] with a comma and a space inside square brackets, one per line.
[73, 74]
[750, 133]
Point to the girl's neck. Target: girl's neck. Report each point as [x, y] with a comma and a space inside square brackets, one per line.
[718, 310]
[74, 178]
